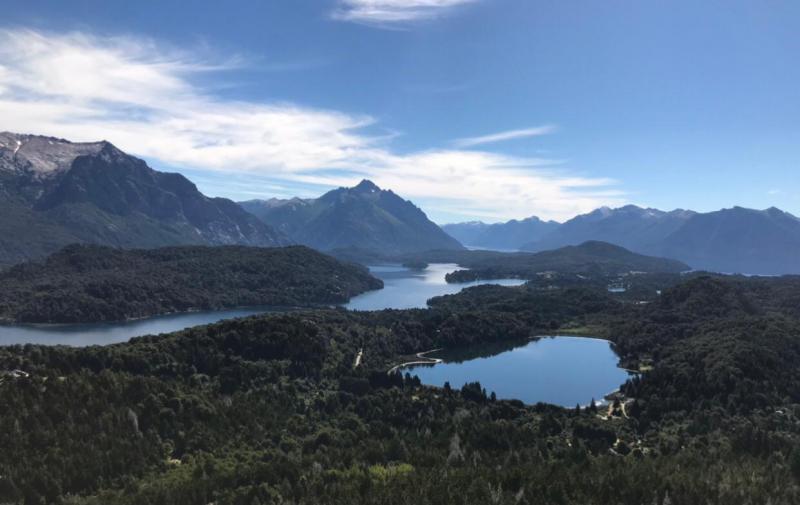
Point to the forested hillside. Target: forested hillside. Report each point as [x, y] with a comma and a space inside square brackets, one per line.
[95, 283]
[270, 409]
[591, 258]
[750, 241]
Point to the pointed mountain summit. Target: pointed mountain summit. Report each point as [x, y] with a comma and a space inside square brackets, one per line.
[366, 186]
[363, 217]
[54, 192]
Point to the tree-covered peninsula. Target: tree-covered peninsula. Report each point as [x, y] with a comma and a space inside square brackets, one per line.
[273, 409]
[83, 283]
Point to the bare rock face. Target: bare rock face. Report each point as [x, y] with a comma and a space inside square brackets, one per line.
[41, 156]
[54, 192]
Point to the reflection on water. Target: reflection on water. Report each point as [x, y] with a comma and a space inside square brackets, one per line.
[403, 288]
[112, 333]
[410, 289]
[560, 370]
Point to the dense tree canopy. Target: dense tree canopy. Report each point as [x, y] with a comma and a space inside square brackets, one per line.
[93, 283]
[270, 409]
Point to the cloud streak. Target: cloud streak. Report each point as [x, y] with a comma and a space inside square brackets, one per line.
[506, 135]
[153, 101]
[390, 13]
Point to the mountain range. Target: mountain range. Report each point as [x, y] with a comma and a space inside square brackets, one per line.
[632, 227]
[511, 235]
[364, 217]
[54, 192]
[736, 240]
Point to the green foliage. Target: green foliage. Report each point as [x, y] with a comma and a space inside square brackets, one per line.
[595, 259]
[269, 409]
[94, 283]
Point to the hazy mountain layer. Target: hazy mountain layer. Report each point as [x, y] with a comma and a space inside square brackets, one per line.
[730, 240]
[511, 235]
[631, 227]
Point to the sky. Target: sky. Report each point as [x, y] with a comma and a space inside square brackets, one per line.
[472, 109]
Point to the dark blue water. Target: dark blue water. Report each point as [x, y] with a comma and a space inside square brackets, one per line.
[563, 371]
[403, 288]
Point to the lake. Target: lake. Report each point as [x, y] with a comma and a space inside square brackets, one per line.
[410, 289]
[564, 371]
[403, 289]
[112, 333]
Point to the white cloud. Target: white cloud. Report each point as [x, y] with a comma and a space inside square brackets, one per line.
[393, 12]
[506, 135]
[150, 101]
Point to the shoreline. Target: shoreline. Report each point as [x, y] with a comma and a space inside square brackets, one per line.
[258, 310]
[604, 400]
[422, 360]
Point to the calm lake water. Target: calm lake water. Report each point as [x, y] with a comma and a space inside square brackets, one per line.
[112, 333]
[403, 288]
[410, 289]
[563, 371]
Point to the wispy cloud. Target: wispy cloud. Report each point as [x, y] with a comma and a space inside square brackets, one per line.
[155, 102]
[506, 135]
[391, 13]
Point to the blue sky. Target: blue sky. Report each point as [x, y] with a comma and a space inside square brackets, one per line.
[474, 109]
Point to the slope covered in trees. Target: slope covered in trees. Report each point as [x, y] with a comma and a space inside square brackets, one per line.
[738, 239]
[269, 409]
[95, 283]
[591, 258]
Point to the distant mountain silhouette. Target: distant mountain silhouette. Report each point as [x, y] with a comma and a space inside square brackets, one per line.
[54, 192]
[632, 227]
[511, 235]
[736, 240]
[363, 217]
